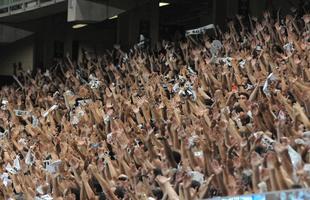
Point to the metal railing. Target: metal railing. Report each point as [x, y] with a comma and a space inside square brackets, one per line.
[295, 194]
[9, 7]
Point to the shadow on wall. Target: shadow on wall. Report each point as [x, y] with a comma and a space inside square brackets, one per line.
[20, 51]
[6, 80]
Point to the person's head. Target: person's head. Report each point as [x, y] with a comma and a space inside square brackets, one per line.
[243, 97]
[158, 193]
[245, 118]
[195, 184]
[120, 192]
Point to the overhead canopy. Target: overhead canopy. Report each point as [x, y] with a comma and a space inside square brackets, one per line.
[18, 11]
[120, 4]
[90, 11]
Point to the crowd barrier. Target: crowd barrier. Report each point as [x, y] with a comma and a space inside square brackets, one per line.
[296, 194]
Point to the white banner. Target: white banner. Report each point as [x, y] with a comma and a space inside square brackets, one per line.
[200, 30]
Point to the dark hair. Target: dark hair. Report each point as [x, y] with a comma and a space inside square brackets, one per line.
[296, 186]
[158, 193]
[244, 94]
[245, 120]
[157, 172]
[176, 156]
[238, 109]
[95, 184]
[102, 196]
[76, 191]
[195, 184]
[120, 192]
[260, 150]
[209, 102]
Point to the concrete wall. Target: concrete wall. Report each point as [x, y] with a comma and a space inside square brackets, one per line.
[10, 34]
[56, 29]
[83, 10]
[95, 40]
[38, 51]
[19, 51]
[129, 24]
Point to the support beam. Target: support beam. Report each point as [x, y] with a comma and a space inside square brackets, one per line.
[154, 32]
[121, 4]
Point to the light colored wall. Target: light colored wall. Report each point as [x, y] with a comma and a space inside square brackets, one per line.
[83, 10]
[10, 34]
[19, 51]
[56, 28]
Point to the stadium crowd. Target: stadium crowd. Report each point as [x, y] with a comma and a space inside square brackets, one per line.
[191, 119]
